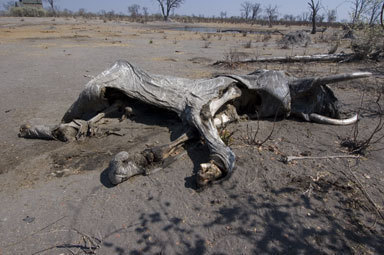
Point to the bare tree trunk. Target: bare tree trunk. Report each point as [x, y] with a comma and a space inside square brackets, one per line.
[162, 10]
[313, 24]
[359, 7]
[52, 5]
[168, 5]
[312, 58]
[314, 7]
[382, 14]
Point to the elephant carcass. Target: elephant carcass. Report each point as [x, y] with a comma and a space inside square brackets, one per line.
[201, 105]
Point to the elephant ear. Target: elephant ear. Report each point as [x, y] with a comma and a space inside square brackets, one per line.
[272, 89]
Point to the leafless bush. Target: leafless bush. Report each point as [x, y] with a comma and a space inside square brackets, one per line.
[267, 37]
[357, 145]
[297, 38]
[251, 136]
[284, 46]
[206, 44]
[333, 47]
[248, 44]
[205, 37]
[232, 57]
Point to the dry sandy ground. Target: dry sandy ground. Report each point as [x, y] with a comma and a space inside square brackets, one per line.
[55, 198]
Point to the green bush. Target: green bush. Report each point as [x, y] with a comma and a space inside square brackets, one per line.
[28, 12]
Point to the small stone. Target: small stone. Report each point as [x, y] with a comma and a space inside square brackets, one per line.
[29, 219]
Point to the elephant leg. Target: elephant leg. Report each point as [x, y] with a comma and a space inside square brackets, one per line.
[124, 165]
[222, 158]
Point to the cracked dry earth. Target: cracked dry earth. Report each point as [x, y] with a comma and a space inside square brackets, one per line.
[56, 199]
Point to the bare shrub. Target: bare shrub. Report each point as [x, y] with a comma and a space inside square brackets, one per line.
[284, 46]
[248, 44]
[361, 146]
[333, 47]
[206, 44]
[205, 37]
[295, 38]
[267, 37]
[251, 136]
[28, 12]
[232, 56]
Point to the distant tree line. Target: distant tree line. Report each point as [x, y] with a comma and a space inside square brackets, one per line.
[362, 11]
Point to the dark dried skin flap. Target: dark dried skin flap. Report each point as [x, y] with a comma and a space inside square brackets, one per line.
[273, 88]
[312, 95]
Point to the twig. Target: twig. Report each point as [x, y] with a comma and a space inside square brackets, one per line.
[287, 159]
[89, 76]
[46, 249]
[90, 239]
[382, 16]
[34, 233]
[251, 139]
[71, 251]
[366, 194]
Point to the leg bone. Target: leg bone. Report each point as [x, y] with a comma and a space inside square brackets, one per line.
[123, 166]
[222, 158]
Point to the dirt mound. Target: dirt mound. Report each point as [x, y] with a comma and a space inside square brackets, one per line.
[300, 38]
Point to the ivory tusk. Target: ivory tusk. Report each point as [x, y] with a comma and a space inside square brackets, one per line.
[341, 77]
[326, 120]
[318, 81]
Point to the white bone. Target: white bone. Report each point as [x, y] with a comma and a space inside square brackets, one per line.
[326, 120]
[221, 120]
[229, 95]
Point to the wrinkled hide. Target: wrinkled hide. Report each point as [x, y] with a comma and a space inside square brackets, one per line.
[198, 103]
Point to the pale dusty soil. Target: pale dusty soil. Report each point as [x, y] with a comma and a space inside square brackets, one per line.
[55, 194]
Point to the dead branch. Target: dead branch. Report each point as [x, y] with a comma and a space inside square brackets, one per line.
[339, 57]
[89, 76]
[34, 233]
[251, 136]
[287, 159]
[95, 242]
[360, 146]
[382, 16]
[365, 192]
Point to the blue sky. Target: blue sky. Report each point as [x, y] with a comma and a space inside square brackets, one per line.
[205, 7]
